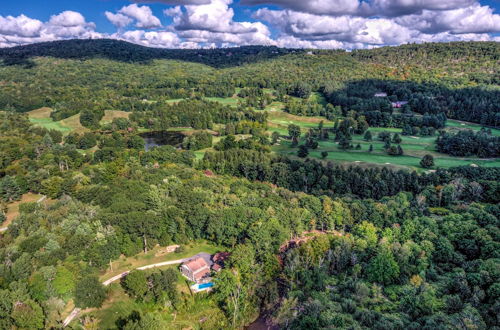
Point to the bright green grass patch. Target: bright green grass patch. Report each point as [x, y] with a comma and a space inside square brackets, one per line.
[385, 129]
[199, 154]
[411, 158]
[319, 98]
[281, 130]
[48, 123]
[232, 101]
[275, 106]
[285, 122]
[404, 160]
[455, 124]
[174, 100]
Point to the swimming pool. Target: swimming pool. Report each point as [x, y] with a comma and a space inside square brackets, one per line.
[202, 287]
[205, 285]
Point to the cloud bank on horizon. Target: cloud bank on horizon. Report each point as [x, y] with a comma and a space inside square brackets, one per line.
[347, 24]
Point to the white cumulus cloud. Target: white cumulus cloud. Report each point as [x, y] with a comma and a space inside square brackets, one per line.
[214, 23]
[20, 26]
[24, 30]
[299, 28]
[151, 38]
[118, 20]
[142, 15]
[473, 19]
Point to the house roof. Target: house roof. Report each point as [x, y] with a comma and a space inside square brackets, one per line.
[196, 265]
[201, 273]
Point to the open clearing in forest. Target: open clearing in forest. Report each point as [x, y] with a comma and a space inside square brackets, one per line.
[41, 117]
[109, 115]
[232, 101]
[120, 305]
[279, 120]
[142, 259]
[73, 123]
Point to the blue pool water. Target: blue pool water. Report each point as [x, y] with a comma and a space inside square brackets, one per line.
[205, 285]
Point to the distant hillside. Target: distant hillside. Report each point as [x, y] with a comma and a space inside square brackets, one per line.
[426, 55]
[431, 52]
[127, 52]
[461, 79]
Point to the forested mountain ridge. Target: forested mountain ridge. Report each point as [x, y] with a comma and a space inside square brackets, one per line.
[427, 54]
[128, 52]
[456, 63]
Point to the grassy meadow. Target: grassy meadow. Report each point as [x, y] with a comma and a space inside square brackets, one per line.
[41, 117]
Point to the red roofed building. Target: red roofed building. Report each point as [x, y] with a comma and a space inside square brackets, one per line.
[195, 269]
[219, 259]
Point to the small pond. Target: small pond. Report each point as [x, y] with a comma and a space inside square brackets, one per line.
[161, 138]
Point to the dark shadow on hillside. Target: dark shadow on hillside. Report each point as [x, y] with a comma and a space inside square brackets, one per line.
[127, 52]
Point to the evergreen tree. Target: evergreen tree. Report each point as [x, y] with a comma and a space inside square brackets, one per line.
[47, 141]
[91, 118]
[400, 150]
[294, 133]
[396, 139]
[344, 143]
[407, 130]
[368, 136]
[427, 161]
[387, 145]
[303, 151]
[87, 141]
[275, 137]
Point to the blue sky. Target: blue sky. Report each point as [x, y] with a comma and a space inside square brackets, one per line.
[219, 23]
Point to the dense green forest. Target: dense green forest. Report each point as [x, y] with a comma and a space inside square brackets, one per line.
[314, 243]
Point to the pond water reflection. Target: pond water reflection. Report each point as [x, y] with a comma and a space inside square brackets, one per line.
[161, 138]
